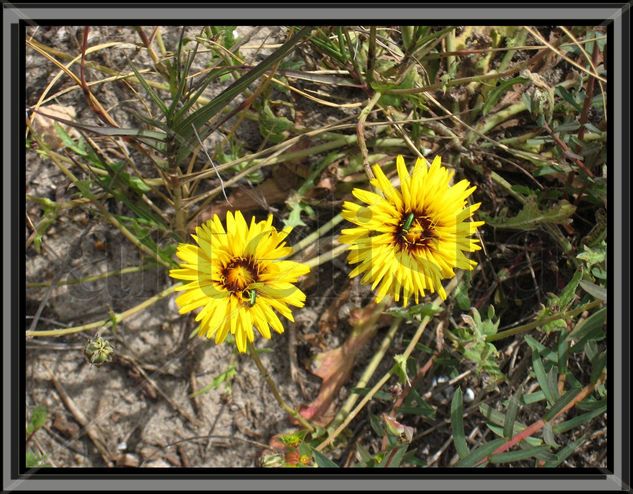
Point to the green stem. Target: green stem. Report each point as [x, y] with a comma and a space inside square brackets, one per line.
[315, 235]
[540, 322]
[273, 387]
[368, 372]
[360, 132]
[383, 380]
[115, 319]
[88, 279]
[328, 256]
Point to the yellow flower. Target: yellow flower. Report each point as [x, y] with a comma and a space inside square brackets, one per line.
[410, 238]
[237, 277]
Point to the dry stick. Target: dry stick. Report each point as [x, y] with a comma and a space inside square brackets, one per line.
[591, 84]
[93, 102]
[422, 371]
[360, 132]
[88, 426]
[273, 387]
[593, 60]
[212, 164]
[129, 361]
[561, 54]
[407, 353]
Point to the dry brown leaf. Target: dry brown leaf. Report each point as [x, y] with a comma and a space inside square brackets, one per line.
[45, 127]
[335, 366]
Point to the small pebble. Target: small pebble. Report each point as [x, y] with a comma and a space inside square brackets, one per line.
[469, 395]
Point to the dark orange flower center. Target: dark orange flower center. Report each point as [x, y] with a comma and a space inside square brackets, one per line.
[416, 234]
[238, 274]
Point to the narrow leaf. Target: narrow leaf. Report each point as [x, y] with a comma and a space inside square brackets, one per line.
[511, 414]
[541, 377]
[480, 453]
[457, 421]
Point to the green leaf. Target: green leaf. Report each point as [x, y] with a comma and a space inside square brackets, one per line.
[38, 419]
[401, 369]
[597, 366]
[511, 414]
[112, 131]
[566, 452]
[480, 453]
[548, 435]
[590, 328]
[323, 461]
[594, 290]
[208, 111]
[457, 421]
[529, 441]
[225, 377]
[34, 460]
[422, 310]
[150, 91]
[530, 398]
[541, 377]
[592, 256]
[519, 455]
[532, 217]
[579, 420]
[394, 457]
[498, 91]
[540, 349]
[568, 293]
[271, 127]
[68, 142]
[474, 346]
[561, 403]
[567, 96]
[415, 404]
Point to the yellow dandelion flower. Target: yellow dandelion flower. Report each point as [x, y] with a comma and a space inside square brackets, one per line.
[238, 279]
[408, 239]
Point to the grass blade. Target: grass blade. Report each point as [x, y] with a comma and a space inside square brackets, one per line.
[457, 421]
[480, 453]
[541, 377]
[204, 114]
[511, 414]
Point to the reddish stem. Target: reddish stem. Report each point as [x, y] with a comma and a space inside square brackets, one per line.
[539, 424]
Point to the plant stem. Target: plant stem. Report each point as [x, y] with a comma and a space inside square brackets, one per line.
[369, 371]
[273, 387]
[115, 319]
[535, 324]
[383, 380]
[360, 132]
[328, 256]
[88, 279]
[315, 235]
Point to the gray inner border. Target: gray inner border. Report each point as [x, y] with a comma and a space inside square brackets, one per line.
[12, 14]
